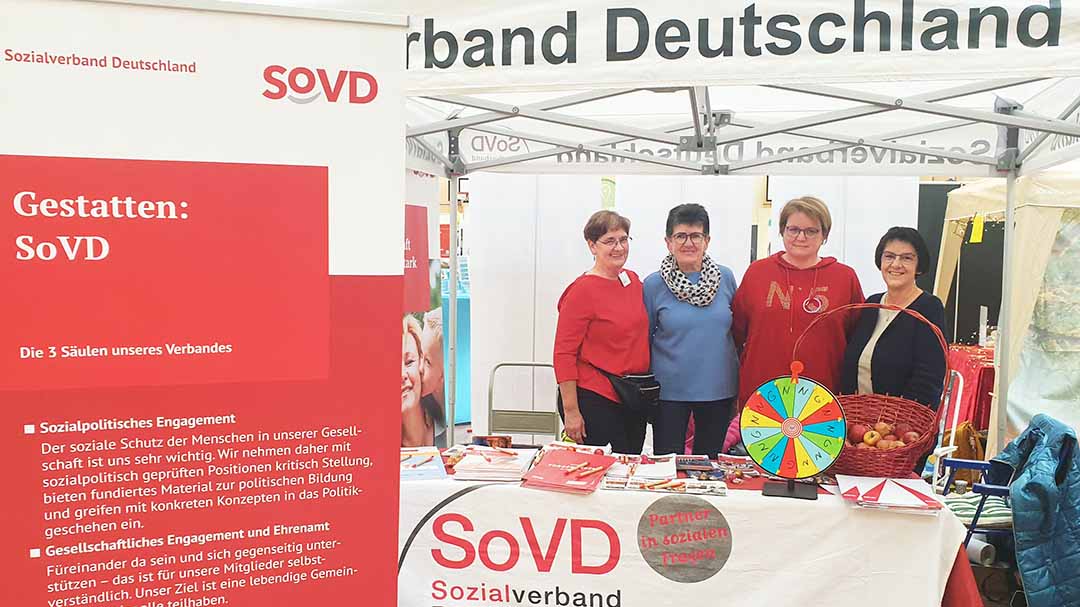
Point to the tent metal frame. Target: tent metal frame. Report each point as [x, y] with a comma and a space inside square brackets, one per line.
[708, 124]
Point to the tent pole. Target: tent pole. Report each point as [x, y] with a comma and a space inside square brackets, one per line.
[956, 296]
[1005, 328]
[451, 393]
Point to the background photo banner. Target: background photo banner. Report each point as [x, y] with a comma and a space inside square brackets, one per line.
[486, 45]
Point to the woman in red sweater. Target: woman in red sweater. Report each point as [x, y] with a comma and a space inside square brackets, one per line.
[602, 325]
[781, 294]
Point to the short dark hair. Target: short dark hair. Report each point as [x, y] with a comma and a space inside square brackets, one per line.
[913, 238]
[602, 222]
[691, 214]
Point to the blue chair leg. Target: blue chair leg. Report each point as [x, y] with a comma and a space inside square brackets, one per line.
[975, 520]
[948, 483]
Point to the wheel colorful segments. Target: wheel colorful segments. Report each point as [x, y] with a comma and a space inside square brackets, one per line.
[793, 430]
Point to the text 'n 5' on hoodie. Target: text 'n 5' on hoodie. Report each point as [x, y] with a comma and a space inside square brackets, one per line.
[773, 306]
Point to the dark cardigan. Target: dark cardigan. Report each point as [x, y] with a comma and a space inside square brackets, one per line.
[908, 361]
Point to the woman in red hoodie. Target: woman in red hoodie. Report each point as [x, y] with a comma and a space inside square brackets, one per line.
[781, 294]
[602, 325]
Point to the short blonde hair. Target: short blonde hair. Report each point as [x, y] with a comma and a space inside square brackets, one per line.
[602, 222]
[433, 322]
[411, 327]
[814, 208]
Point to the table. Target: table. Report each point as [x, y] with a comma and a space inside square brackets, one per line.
[976, 365]
[504, 544]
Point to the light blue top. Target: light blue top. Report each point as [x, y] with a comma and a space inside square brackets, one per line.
[693, 353]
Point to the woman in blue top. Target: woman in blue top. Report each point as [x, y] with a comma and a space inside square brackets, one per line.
[693, 354]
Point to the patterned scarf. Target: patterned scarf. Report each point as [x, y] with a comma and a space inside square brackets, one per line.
[700, 294]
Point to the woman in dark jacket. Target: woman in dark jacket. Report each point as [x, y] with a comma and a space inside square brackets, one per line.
[891, 352]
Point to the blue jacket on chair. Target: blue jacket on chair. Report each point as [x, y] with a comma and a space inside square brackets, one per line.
[1042, 469]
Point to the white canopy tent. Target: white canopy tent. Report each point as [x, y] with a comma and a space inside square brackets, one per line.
[1044, 345]
[867, 87]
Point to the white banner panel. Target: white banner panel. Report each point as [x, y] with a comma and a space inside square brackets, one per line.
[203, 218]
[489, 45]
[296, 92]
[463, 544]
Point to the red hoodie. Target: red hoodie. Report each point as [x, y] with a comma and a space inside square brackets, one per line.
[769, 315]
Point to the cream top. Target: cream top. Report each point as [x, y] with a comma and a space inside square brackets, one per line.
[866, 382]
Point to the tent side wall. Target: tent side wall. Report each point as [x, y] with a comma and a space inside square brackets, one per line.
[1041, 239]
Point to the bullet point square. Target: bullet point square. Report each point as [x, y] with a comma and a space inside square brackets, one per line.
[35, 553]
[28, 429]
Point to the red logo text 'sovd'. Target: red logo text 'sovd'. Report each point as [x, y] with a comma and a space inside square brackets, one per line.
[456, 530]
[304, 84]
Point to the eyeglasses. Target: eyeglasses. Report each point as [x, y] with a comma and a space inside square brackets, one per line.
[681, 237]
[906, 259]
[611, 242]
[794, 232]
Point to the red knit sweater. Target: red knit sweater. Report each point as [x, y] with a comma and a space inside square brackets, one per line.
[768, 316]
[601, 323]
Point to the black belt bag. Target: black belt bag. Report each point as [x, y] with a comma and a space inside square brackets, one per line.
[639, 392]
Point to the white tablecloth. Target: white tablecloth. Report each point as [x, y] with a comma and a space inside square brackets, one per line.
[469, 544]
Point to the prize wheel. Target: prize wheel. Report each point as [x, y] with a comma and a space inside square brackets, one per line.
[793, 427]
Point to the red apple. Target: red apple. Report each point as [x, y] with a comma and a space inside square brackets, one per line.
[857, 431]
[883, 428]
[901, 428]
[863, 446]
[884, 445]
[898, 444]
[891, 437]
[871, 438]
[910, 437]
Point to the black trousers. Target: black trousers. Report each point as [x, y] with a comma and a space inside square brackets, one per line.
[609, 422]
[711, 419]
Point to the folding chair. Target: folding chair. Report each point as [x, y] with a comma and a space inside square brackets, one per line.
[985, 490]
[954, 391]
[520, 421]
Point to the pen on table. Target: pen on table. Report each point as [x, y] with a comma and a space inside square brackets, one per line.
[576, 467]
[424, 461]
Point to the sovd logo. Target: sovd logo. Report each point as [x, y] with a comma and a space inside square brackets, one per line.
[543, 550]
[304, 85]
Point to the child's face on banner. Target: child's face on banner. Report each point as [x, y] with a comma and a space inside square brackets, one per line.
[410, 373]
[433, 360]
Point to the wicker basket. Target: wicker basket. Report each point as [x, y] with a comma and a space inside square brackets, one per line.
[872, 408]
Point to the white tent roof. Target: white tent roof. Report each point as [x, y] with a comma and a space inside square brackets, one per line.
[646, 127]
[825, 87]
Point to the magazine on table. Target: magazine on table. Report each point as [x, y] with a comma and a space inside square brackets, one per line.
[421, 464]
[912, 495]
[695, 463]
[733, 463]
[493, 464]
[674, 485]
[644, 467]
[568, 471]
[566, 446]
